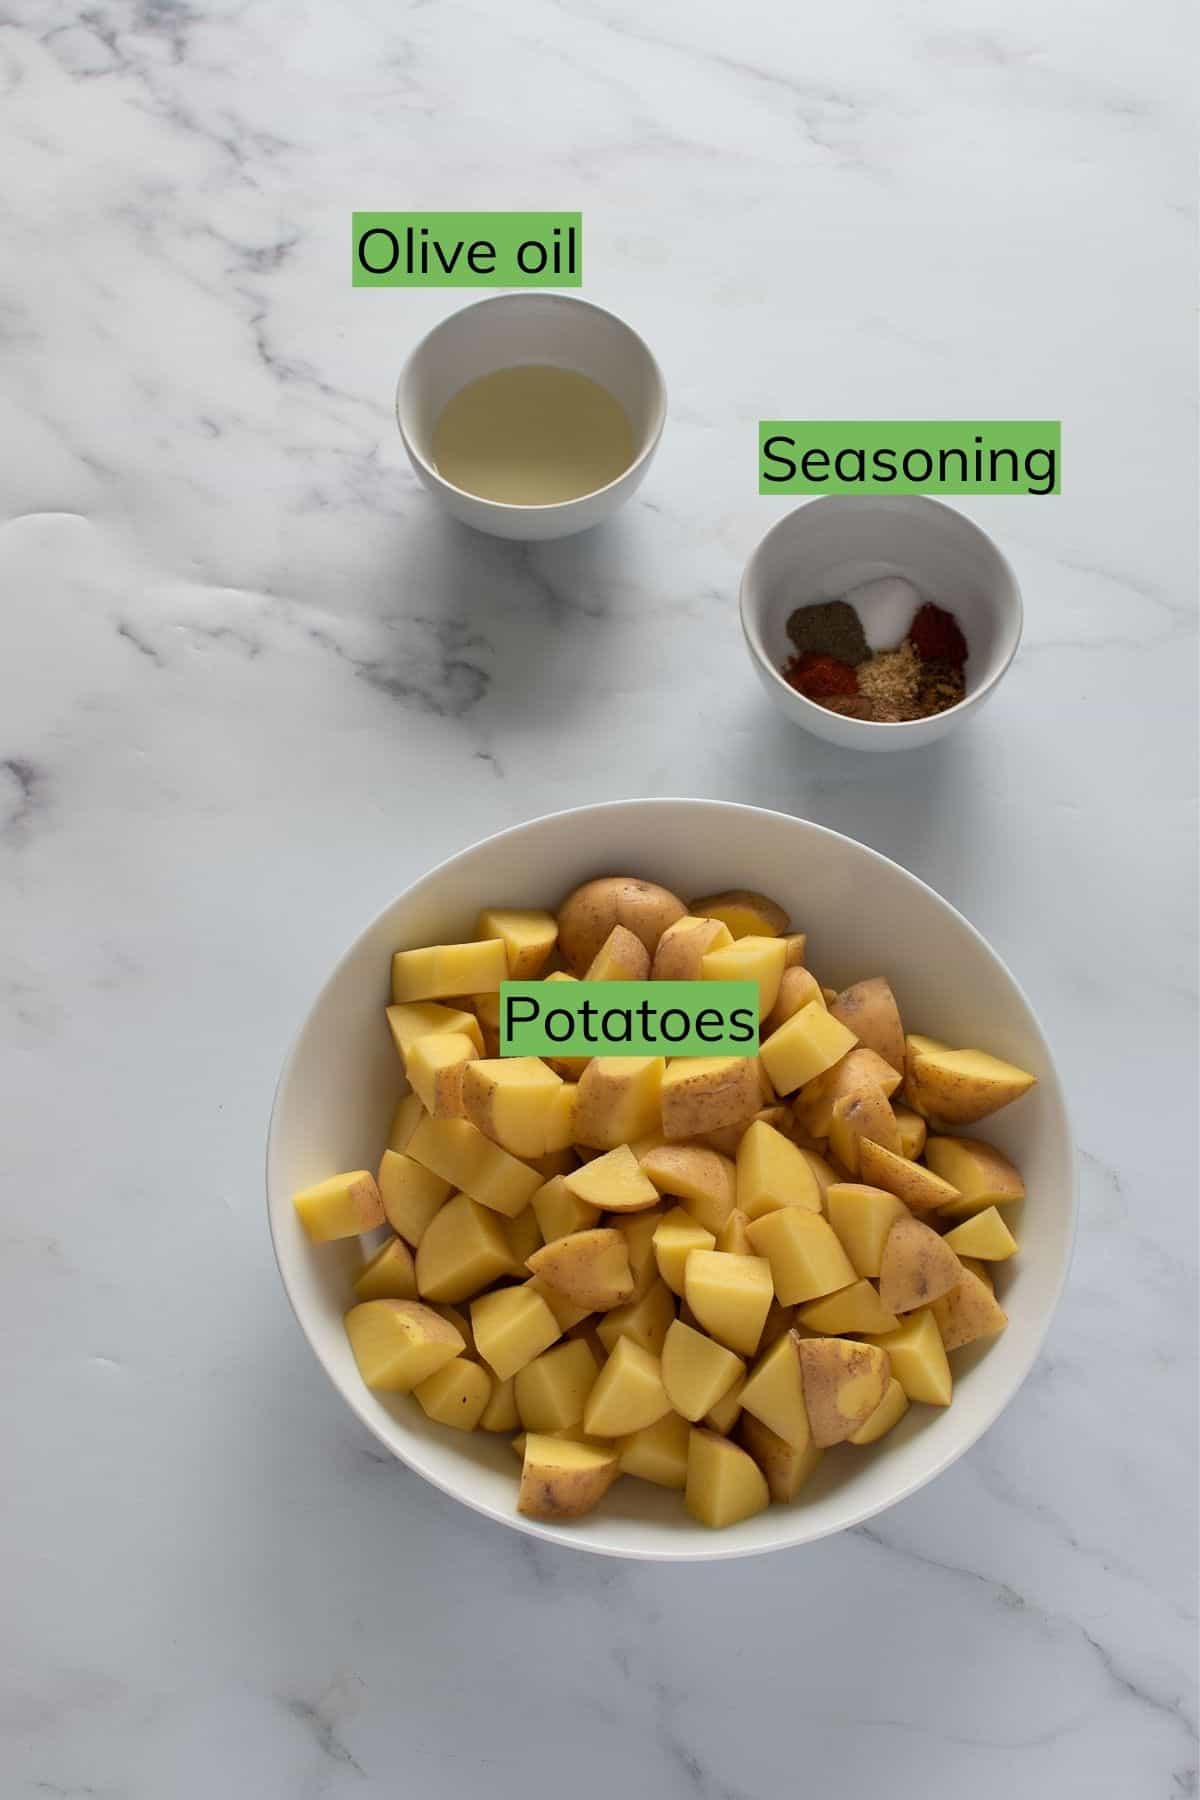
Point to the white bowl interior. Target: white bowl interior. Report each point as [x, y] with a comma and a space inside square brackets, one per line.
[865, 915]
[831, 545]
[529, 328]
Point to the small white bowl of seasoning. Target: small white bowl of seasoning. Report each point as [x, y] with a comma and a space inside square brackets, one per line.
[887, 557]
[531, 415]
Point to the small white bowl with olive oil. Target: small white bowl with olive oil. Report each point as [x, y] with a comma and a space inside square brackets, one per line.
[531, 415]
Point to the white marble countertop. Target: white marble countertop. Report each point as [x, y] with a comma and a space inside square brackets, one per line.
[252, 685]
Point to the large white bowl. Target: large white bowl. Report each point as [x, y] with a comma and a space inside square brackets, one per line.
[864, 916]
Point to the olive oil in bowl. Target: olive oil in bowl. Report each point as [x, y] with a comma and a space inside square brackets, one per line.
[532, 435]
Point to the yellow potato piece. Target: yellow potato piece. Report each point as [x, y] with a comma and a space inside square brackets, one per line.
[912, 1128]
[701, 1094]
[744, 912]
[889, 1412]
[619, 1100]
[408, 1024]
[796, 943]
[918, 1358]
[436, 1065]
[587, 915]
[614, 1183]
[969, 1311]
[772, 1173]
[559, 1212]
[983, 1175]
[961, 1086]
[757, 959]
[730, 1296]
[456, 1395]
[638, 1230]
[703, 1179]
[732, 1237]
[342, 1206]
[780, 1319]
[724, 1484]
[806, 1258]
[697, 1373]
[860, 1071]
[728, 1410]
[918, 1267]
[440, 971]
[923, 1192]
[398, 1343]
[411, 1195]
[984, 1235]
[500, 1413]
[844, 1382]
[676, 1236]
[528, 938]
[405, 1120]
[510, 1100]
[591, 1268]
[621, 957]
[646, 1321]
[786, 1466]
[511, 1326]
[462, 1249]
[628, 1393]
[658, 1452]
[856, 1308]
[774, 1392]
[567, 1313]
[856, 1118]
[389, 1275]
[460, 1153]
[862, 1218]
[523, 1237]
[561, 1479]
[869, 1009]
[979, 1268]
[552, 1390]
[797, 987]
[810, 1042]
[684, 944]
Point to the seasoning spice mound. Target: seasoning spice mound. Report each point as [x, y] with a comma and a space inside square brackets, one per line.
[891, 680]
[829, 628]
[937, 637]
[940, 686]
[819, 677]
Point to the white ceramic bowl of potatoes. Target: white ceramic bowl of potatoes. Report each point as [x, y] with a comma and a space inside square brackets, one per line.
[806, 1240]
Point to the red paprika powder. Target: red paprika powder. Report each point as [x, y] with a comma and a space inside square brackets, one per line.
[820, 677]
[936, 637]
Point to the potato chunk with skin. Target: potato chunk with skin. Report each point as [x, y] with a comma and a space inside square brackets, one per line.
[565, 1311]
[613, 1182]
[456, 1394]
[591, 1268]
[461, 1154]
[889, 1412]
[983, 1175]
[744, 912]
[844, 1382]
[730, 1296]
[411, 1194]
[912, 1128]
[869, 1009]
[968, 1311]
[918, 1358]
[757, 959]
[797, 987]
[638, 1230]
[398, 1343]
[785, 1466]
[676, 1236]
[511, 1326]
[703, 1179]
[509, 1099]
[646, 1321]
[703, 1093]
[960, 1086]
[918, 1267]
[552, 1391]
[860, 1071]
[343, 1206]
[862, 1218]
[772, 1173]
[682, 946]
[389, 1275]
[436, 1065]
[588, 914]
[824, 1173]
[774, 1392]
[528, 938]
[732, 1239]
[806, 1258]
[697, 1373]
[560, 1212]
[462, 1249]
[810, 1042]
[628, 1393]
[621, 957]
[857, 1117]
[857, 1308]
[923, 1192]
[724, 1484]
[408, 1024]
[442, 971]
[561, 1479]
[984, 1235]
[658, 1452]
[619, 1099]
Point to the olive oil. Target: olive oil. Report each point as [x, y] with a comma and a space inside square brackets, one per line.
[532, 435]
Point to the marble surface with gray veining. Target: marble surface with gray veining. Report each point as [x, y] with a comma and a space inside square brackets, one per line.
[252, 684]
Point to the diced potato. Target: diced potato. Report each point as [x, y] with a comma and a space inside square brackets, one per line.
[985, 1235]
[860, 1071]
[824, 1173]
[772, 1173]
[389, 1275]
[424, 1019]
[810, 1042]
[569, 1067]
[552, 1390]
[844, 1382]
[889, 1412]
[780, 1319]
[460, 1322]
[915, 1045]
[523, 1236]
[456, 1150]
[912, 1128]
[730, 1296]
[697, 1373]
[560, 1123]
[918, 1358]
[797, 987]
[511, 1327]
[676, 1236]
[757, 959]
[462, 1249]
[968, 1311]
[774, 1392]
[746, 913]
[786, 1466]
[658, 1452]
[728, 1410]
[621, 957]
[856, 1308]
[560, 1212]
[703, 1179]
[561, 1479]
[528, 938]
[682, 946]
[726, 1138]
[500, 1413]
[796, 943]
[411, 1195]
[440, 971]
[565, 1311]
[638, 1230]
[509, 1099]
[918, 1267]
[404, 1121]
[486, 1008]
[614, 1183]
[436, 1065]
[456, 1394]
[960, 1086]
[983, 1175]
[862, 1217]
[806, 1258]
[628, 1394]
[856, 1118]
[702, 1093]
[646, 1321]
[732, 1239]
[923, 1192]
[979, 1268]
[398, 1343]
[619, 1099]
[343, 1206]
[724, 1484]
[587, 915]
[869, 1009]
[591, 1268]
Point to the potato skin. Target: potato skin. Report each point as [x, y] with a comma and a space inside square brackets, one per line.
[587, 915]
[869, 1009]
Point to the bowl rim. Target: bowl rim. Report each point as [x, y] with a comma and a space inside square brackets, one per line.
[918, 503]
[689, 1551]
[547, 507]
